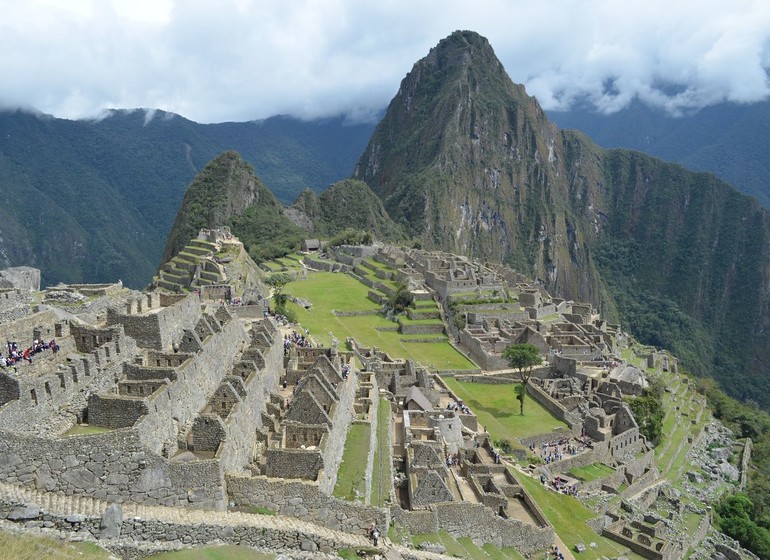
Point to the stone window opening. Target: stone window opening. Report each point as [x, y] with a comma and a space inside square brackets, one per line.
[47, 388]
[33, 395]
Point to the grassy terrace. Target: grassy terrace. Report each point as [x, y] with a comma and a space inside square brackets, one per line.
[350, 477]
[591, 472]
[381, 475]
[498, 410]
[568, 517]
[328, 291]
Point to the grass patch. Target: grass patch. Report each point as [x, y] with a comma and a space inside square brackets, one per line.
[227, 552]
[259, 510]
[498, 410]
[350, 477]
[568, 517]
[381, 475]
[29, 547]
[591, 472]
[453, 548]
[86, 430]
[329, 291]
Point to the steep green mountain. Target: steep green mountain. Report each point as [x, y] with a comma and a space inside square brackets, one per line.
[94, 200]
[228, 192]
[345, 204]
[727, 139]
[470, 164]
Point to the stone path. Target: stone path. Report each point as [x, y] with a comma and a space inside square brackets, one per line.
[60, 505]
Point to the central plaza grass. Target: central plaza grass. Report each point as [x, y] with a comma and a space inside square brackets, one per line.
[498, 410]
[332, 291]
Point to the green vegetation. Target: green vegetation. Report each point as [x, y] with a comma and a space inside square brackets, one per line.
[401, 299]
[226, 552]
[30, 547]
[746, 420]
[381, 472]
[497, 412]
[350, 477]
[329, 292]
[649, 412]
[591, 472]
[568, 517]
[84, 430]
[522, 356]
[735, 516]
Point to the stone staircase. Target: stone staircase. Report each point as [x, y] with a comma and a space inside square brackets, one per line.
[179, 273]
[63, 506]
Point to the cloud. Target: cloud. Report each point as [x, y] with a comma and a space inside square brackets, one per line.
[245, 60]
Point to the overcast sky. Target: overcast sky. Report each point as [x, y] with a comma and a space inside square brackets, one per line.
[239, 60]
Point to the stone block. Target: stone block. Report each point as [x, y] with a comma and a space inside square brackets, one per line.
[24, 513]
[112, 519]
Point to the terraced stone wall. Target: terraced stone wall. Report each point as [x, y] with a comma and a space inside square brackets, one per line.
[304, 500]
[113, 466]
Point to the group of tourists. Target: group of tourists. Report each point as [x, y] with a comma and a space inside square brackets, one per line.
[555, 450]
[16, 355]
[459, 406]
[295, 339]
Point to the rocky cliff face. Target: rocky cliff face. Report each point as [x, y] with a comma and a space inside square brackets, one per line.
[470, 164]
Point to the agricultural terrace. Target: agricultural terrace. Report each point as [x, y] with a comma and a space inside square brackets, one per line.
[329, 292]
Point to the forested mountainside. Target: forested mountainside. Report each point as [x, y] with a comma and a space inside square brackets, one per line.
[727, 139]
[228, 192]
[470, 164]
[94, 200]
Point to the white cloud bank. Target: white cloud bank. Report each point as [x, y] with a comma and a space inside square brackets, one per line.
[243, 60]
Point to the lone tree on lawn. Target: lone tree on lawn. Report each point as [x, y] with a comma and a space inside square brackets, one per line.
[521, 356]
[278, 282]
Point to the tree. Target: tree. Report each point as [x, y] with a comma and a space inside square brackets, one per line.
[521, 357]
[401, 298]
[521, 390]
[278, 282]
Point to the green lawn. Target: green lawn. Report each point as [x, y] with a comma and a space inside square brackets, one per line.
[381, 475]
[227, 552]
[84, 430]
[498, 410]
[591, 472]
[329, 291]
[568, 517]
[350, 477]
[32, 547]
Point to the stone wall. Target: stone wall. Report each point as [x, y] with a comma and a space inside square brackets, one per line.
[158, 329]
[242, 422]
[113, 466]
[304, 500]
[335, 443]
[140, 537]
[463, 519]
[197, 380]
[572, 419]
